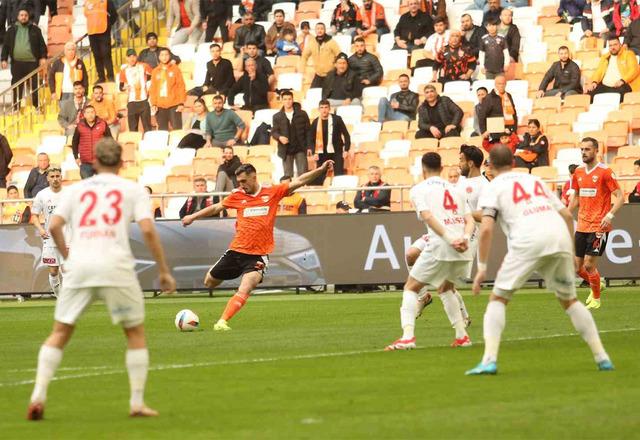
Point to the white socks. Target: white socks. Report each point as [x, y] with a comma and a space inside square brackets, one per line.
[408, 312]
[583, 322]
[494, 321]
[48, 360]
[463, 307]
[137, 361]
[452, 309]
[54, 282]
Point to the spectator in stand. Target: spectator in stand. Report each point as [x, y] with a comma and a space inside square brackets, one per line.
[88, 132]
[571, 11]
[254, 86]
[156, 207]
[373, 20]
[343, 207]
[225, 177]
[323, 50]
[435, 43]
[249, 32]
[632, 37]
[216, 14]
[304, 36]
[346, 18]
[25, 46]
[634, 196]
[492, 14]
[435, 8]
[624, 12]
[481, 93]
[219, 77]
[101, 15]
[65, 71]
[167, 92]
[71, 110]
[151, 55]
[533, 151]
[507, 139]
[276, 30]
[259, 8]
[330, 140]
[133, 79]
[456, 62]
[453, 175]
[105, 109]
[5, 159]
[17, 212]
[340, 85]
[223, 127]
[196, 203]
[617, 71]
[438, 116]
[293, 204]
[10, 9]
[373, 200]
[195, 137]
[291, 129]
[511, 33]
[567, 192]
[402, 106]
[472, 34]
[598, 19]
[498, 103]
[413, 28]
[262, 64]
[366, 67]
[184, 16]
[494, 54]
[565, 75]
[37, 180]
[287, 45]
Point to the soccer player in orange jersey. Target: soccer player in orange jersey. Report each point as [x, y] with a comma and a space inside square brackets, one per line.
[594, 183]
[248, 254]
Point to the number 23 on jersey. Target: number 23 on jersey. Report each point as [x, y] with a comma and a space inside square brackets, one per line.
[111, 216]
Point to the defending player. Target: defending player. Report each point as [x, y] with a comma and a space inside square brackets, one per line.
[100, 265]
[539, 229]
[593, 183]
[45, 203]
[445, 259]
[248, 253]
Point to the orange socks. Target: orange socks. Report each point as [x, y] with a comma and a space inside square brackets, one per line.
[594, 283]
[583, 274]
[237, 301]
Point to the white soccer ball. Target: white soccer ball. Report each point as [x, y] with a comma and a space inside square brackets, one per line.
[187, 321]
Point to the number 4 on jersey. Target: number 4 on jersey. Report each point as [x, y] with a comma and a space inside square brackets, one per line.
[519, 194]
[449, 203]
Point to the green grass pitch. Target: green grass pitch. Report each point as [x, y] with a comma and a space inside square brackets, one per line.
[312, 366]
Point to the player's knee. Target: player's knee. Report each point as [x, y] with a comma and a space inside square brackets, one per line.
[411, 256]
[53, 270]
[589, 266]
[60, 335]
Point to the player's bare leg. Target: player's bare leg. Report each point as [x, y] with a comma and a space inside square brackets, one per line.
[424, 297]
[453, 310]
[493, 325]
[49, 359]
[248, 283]
[408, 314]
[137, 361]
[54, 280]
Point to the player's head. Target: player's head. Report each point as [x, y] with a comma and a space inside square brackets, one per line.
[501, 159]
[200, 185]
[108, 156]
[431, 164]
[247, 178]
[285, 179]
[589, 149]
[470, 158]
[54, 177]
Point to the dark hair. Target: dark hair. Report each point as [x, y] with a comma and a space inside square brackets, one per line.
[218, 98]
[251, 43]
[493, 22]
[288, 31]
[432, 161]
[305, 24]
[108, 152]
[286, 93]
[201, 101]
[78, 83]
[573, 166]
[321, 24]
[358, 40]
[324, 102]
[405, 76]
[23, 8]
[164, 49]
[245, 168]
[278, 11]
[97, 86]
[593, 141]
[637, 162]
[214, 45]
[612, 37]
[472, 153]
[482, 88]
[534, 122]
[439, 20]
[466, 15]
[285, 177]
[227, 147]
[199, 179]
[501, 156]
[248, 14]
[10, 187]
[562, 47]
[149, 188]
[89, 106]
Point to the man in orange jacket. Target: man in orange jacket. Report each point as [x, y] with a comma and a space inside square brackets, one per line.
[618, 71]
[167, 93]
[101, 15]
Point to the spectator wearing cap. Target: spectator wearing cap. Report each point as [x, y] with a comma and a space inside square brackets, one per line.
[455, 62]
[340, 85]
[101, 16]
[492, 14]
[617, 72]
[5, 159]
[634, 196]
[65, 71]
[249, 32]
[37, 180]
[167, 92]
[184, 15]
[494, 54]
[346, 18]
[471, 33]
[89, 131]
[402, 105]
[293, 204]
[216, 14]
[413, 28]
[373, 20]
[323, 51]
[16, 212]
[438, 116]
[133, 80]
[533, 151]
[291, 129]
[219, 77]
[329, 140]
[150, 55]
[565, 75]
[373, 199]
[598, 19]
[365, 65]
[71, 110]
[276, 32]
[498, 103]
[435, 44]
[255, 87]
[105, 109]
[511, 33]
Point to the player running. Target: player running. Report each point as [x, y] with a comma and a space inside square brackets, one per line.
[45, 203]
[100, 265]
[593, 184]
[446, 257]
[248, 253]
[539, 229]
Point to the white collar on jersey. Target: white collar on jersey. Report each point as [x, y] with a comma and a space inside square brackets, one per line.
[257, 192]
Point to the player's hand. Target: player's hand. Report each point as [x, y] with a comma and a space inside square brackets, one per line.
[167, 283]
[187, 220]
[460, 245]
[605, 224]
[477, 281]
[327, 166]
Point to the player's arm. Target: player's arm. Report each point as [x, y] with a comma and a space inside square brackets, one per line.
[568, 219]
[35, 221]
[56, 229]
[209, 211]
[152, 240]
[434, 225]
[617, 204]
[309, 176]
[477, 216]
[489, 216]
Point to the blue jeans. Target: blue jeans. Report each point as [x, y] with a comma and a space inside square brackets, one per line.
[386, 113]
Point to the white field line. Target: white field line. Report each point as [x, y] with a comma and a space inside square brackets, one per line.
[106, 370]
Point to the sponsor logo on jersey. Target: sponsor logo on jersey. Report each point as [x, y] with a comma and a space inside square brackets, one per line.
[595, 179]
[265, 199]
[588, 192]
[256, 211]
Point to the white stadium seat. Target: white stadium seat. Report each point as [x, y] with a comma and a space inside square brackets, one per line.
[351, 114]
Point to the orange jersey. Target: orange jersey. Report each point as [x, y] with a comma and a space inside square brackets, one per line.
[256, 217]
[593, 189]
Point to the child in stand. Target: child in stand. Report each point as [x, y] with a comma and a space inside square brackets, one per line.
[508, 139]
[304, 35]
[287, 45]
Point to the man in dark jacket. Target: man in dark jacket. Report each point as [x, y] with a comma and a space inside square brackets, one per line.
[226, 177]
[254, 86]
[493, 13]
[219, 77]
[262, 63]
[606, 16]
[374, 199]
[472, 34]
[413, 28]
[632, 36]
[249, 32]
[149, 56]
[24, 44]
[260, 9]
[290, 129]
[339, 87]
[216, 14]
[402, 106]
[366, 66]
[196, 203]
[565, 75]
[498, 103]
[511, 34]
[37, 179]
[88, 132]
[329, 140]
[5, 159]
[438, 116]
[9, 10]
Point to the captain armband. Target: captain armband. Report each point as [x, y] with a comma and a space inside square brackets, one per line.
[490, 212]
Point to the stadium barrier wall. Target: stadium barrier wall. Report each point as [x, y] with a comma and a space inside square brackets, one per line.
[309, 250]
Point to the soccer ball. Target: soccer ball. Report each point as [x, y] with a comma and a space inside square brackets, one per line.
[187, 321]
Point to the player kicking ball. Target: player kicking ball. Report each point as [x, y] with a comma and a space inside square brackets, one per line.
[539, 229]
[445, 258]
[593, 183]
[100, 265]
[248, 253]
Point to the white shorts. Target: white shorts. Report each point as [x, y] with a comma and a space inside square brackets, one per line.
[557, 270]
[125, 304]
[51, 256]
[432, 272]
[421, 242]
